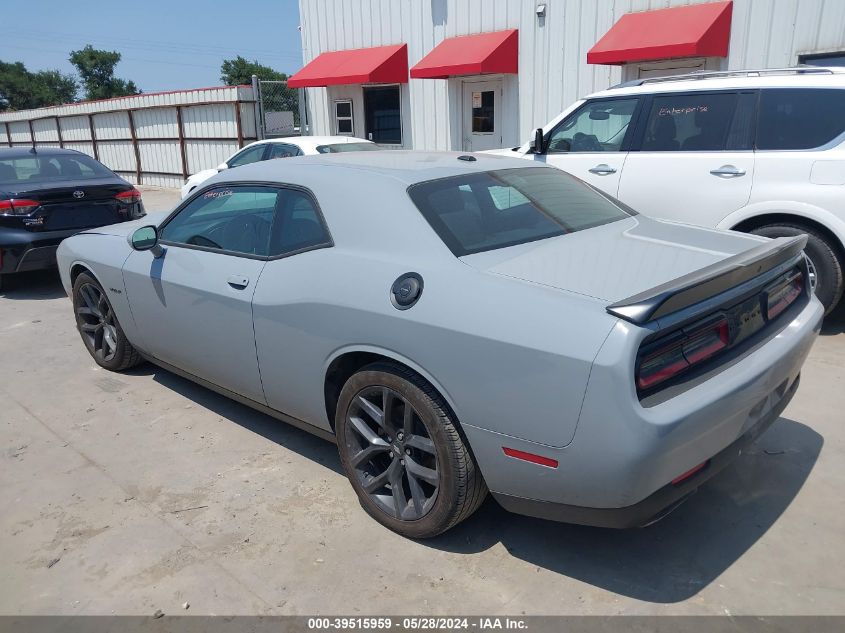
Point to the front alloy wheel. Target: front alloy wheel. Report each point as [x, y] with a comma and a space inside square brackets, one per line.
[98, 325]
[96, 321]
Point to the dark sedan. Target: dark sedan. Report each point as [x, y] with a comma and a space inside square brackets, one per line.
[48, 194]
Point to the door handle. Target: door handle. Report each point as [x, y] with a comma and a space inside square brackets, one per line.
[602, 170]
[728, 171]
[238, 281]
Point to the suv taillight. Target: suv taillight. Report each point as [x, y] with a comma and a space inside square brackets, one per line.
[129, 197]
[663, 360]
[18, 207]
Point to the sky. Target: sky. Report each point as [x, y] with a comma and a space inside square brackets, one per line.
[165, 44]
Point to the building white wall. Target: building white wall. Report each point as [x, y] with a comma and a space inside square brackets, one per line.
[209, 125]
[552, 51]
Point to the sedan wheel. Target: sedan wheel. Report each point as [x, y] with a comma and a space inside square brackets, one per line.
[98, 325]
[403, 452]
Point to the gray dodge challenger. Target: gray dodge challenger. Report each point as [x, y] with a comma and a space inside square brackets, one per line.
[458, 324]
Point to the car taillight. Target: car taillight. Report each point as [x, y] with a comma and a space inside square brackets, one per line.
[18, 207]
[129, 197]
[693, 345]
[783, 293]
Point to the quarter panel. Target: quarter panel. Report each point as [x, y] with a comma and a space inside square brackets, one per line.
[513, 357]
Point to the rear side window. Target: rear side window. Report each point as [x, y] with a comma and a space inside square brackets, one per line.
[282, 150]
[298, 224]
[484, 211]
[799, 119]
[689, 122]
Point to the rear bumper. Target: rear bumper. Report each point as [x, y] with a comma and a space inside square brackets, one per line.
[624, 455]
[22, 250]
[658, 504]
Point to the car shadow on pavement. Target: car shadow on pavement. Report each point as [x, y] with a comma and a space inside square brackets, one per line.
[277, 431]
[37, 285]
[834, 323]
[675, 558]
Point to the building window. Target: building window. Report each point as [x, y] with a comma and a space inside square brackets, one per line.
[483, 113]
[343, 118]
[382, 117]
[823, 59]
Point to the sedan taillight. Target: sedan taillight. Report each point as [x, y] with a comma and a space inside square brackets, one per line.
[693, 345]
[18, 207]
[129, 197]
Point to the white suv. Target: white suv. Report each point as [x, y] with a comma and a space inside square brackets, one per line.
[756, 151]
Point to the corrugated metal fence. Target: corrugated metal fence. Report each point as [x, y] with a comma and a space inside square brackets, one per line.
[153, 139]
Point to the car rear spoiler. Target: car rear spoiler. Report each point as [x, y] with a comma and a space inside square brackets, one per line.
[702, 284]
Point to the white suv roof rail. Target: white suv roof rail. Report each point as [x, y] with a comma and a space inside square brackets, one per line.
[713, 74]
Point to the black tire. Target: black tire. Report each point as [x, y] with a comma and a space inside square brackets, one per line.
[460, 489]
[823, 255]
[116, 354]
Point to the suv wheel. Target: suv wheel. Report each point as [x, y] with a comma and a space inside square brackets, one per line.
[826, 268]
[401, 449]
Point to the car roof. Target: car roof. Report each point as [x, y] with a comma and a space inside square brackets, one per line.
[311, 142]
[26, 152]
[405, 166]
[800, 77]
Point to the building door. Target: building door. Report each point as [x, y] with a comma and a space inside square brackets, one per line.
[482, 113]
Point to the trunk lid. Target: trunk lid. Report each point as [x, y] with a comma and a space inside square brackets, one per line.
[75, 204]
[616, 260]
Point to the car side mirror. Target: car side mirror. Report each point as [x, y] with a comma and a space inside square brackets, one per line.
[222, 166]
[146, 239]
[538, 145]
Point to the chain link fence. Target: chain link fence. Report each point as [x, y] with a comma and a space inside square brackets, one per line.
[279, 108]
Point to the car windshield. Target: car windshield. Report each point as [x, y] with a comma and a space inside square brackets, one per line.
[484, 211]
[34, 168]
[347, 147]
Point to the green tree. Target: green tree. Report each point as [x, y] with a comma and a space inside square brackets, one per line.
[239, 72]
[21, 89]
[96, 70]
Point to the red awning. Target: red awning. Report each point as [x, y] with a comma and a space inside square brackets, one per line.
[485, 53]
[380, 64]
[699, 30]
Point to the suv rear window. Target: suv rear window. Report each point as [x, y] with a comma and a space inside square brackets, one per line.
[483, 211]
[800, 118]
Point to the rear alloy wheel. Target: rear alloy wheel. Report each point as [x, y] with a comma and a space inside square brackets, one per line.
[97, 324]
[825, 267]
[402, 451]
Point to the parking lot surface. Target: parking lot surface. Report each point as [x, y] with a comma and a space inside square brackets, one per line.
[137, 492]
